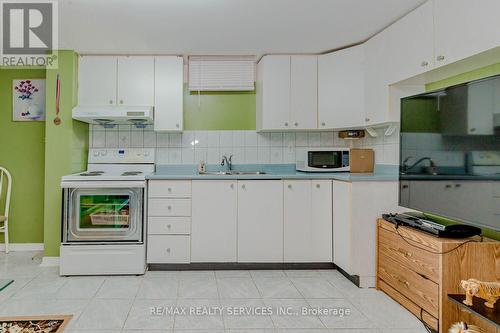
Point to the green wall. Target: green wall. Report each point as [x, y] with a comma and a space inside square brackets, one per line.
[22, 151]
[66, 146]
[219, 110]
[462, 78]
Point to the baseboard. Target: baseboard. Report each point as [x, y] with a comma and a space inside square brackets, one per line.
[18, 247]
[50, 261]
[238, 266]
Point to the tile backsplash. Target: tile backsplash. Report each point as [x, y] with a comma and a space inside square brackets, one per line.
[249, 147]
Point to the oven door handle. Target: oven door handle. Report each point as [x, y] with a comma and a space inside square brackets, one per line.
[105, 184]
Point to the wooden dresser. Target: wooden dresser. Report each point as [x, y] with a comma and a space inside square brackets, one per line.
[410, 270]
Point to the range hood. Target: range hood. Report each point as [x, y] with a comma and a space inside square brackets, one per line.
[109, 116]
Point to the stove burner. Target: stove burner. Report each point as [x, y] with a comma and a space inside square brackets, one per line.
[131, 173]
[92, 173]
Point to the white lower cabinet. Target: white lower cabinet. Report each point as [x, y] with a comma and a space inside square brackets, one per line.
[214, 221]
[356, 207]
[307, 221]
[260, 221]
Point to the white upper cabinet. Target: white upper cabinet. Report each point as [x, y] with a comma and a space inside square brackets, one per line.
[97, 80]
[168, 96]
[287, 88]
[411, 44]
[464, 28]
[341, 88]
[304, 92]
[273, 92]
[135, 80]
[377, 63]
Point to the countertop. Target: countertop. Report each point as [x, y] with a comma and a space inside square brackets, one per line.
[272, 171]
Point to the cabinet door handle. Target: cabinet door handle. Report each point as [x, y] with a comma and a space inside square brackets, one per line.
[296, 124]
[177, 125]
[448, 186]
[169, 189]
[169, 207]
[318, 185]
[440, 58]
[231, 186]
[458, 185]
[121, 101]
[169, 226]
[286, 124]
[405, 186]
[290, 186]
[168, 250]
[425, 64]
[110, 101]
[367, 119]
[323, 124]
[243, 186]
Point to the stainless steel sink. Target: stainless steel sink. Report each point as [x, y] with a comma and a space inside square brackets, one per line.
[232, 173]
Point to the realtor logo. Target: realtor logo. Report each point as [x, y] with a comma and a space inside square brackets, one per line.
[28, 33]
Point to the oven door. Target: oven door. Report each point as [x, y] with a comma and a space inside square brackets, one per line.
[98, 215]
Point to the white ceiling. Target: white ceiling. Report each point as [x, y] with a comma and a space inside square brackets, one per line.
[222, 26]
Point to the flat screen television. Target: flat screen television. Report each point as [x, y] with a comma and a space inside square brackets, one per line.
[450, 153]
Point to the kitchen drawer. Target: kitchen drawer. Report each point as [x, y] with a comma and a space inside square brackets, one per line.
[420, 261]
[169, 226]
[169, 207]
[169, 189]
[169, 249]
[421, 291]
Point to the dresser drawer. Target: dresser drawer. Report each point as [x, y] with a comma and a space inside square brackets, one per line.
[169, 189]
[168, 249]
[409, 305]
[169, 207]
[169, 226]
[418, 260]
[419, 290]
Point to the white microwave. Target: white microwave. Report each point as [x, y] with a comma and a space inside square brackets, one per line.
[323, 160]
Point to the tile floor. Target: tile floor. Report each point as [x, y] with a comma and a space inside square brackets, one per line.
[123, 304]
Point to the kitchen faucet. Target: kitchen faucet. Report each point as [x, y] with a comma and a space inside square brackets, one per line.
[432, 169]
[228, 162]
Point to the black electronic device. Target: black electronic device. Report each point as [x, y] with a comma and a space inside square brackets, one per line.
[421, 222]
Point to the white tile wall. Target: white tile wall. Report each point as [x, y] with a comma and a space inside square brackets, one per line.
[190, 147]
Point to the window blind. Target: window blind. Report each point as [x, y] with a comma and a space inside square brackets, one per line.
[221, 73]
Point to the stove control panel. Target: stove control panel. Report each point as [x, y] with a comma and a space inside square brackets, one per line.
[121, 155]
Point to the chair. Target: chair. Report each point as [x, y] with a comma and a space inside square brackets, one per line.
[4, 217]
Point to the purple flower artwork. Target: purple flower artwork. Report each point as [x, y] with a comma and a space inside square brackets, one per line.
[28, 100]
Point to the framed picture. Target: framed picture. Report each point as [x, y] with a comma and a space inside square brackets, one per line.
[28, 100]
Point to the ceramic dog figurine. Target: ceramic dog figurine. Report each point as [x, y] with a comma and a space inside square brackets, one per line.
[489, 291]
[464, 328]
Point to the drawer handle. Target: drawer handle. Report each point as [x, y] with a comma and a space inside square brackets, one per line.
[406, 283]
[169, 226]
[406, 254]
[169, 207]
[231, 186]
[289, 186]
[168, 250]
[169, 189]
[318, 186]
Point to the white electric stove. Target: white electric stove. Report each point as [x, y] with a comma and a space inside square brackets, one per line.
[104, 213]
